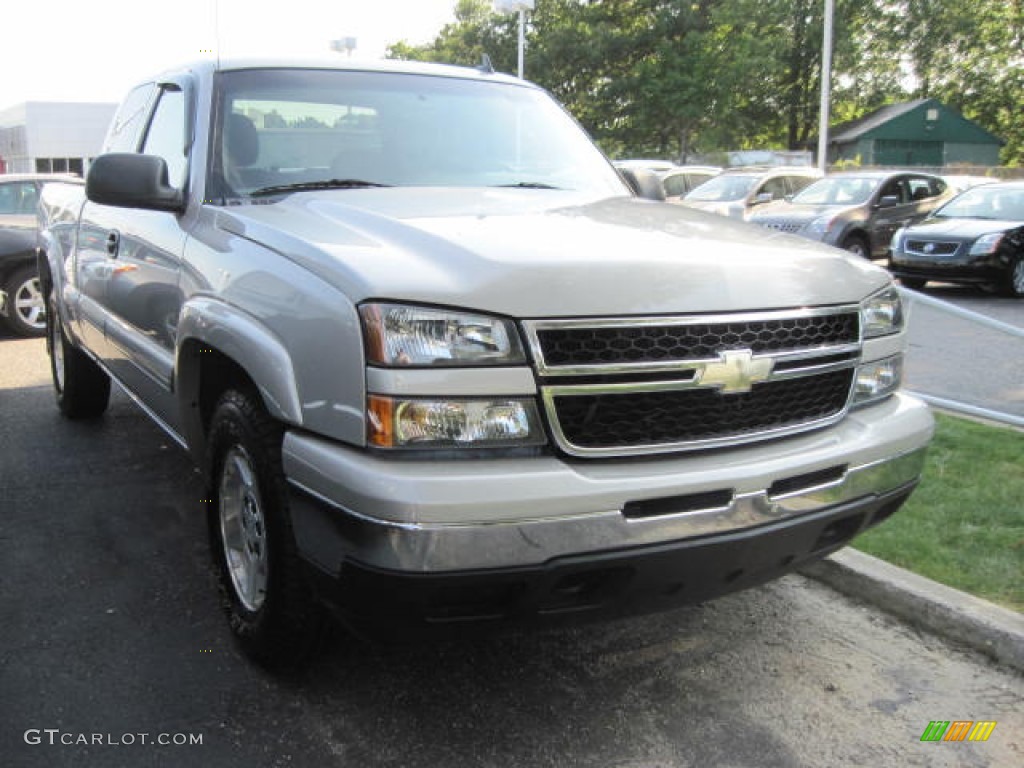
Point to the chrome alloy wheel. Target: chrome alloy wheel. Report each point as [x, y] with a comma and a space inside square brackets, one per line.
[243, 529]
[29, 304]
[1017, 278]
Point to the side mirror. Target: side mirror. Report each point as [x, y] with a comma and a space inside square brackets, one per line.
[645, 184]
[889, 201]
[128, 180]
[764, 197]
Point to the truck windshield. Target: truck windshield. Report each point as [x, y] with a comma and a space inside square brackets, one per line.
[287, 129]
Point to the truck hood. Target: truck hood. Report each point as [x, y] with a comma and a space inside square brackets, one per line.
[545, 253]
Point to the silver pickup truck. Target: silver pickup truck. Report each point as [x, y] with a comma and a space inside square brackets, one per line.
[440, 365]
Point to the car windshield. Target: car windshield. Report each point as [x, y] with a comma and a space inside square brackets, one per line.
[281, 128]
[986, 202]
[845, 190]
[723, 189]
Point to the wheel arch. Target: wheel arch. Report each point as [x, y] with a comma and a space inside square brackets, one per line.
[221, 347]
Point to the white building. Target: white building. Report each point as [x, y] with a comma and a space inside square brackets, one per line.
[52, 136]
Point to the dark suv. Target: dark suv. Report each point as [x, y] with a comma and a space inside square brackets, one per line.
[857, 210]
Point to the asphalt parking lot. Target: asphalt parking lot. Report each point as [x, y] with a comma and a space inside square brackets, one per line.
[111, 628]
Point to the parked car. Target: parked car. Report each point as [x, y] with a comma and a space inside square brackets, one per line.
[19, 195]
[26, 315]
[737, 191]
[644, 164]
[857, 210]
[681, 180]
[978, 237]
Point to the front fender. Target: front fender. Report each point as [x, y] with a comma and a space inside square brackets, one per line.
[252, 346]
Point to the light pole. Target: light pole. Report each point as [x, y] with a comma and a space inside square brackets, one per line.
[522, 6]
[826, 87]
[347, 44]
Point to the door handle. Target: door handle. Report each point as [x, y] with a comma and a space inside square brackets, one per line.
[113, 243]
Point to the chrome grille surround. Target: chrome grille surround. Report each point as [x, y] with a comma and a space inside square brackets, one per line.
[730, 367]
[931, 247]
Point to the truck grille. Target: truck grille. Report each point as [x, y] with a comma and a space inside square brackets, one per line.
[629, 386]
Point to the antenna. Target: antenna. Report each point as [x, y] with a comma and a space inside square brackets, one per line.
[485, 65]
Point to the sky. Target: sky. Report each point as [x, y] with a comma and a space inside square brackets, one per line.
[95, 50]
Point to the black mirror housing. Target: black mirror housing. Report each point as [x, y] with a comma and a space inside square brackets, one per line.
[889, 201]
[128, 180]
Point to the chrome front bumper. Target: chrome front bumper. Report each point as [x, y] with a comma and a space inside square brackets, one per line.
[443, 516]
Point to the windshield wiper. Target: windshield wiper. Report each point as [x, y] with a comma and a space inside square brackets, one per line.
[306, 186]
[529, 185]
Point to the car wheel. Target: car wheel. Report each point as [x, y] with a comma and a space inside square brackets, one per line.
[1015, 279]
[857, 246]
[81, 387]
[26, 314]
[913, 283]
[269, 606]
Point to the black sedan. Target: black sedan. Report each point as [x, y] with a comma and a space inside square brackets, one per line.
[978, 237]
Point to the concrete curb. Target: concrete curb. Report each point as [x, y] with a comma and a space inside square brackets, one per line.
[949, 613]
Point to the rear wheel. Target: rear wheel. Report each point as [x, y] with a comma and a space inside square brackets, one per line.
[26, 313]
[81, 387]
[269, 606]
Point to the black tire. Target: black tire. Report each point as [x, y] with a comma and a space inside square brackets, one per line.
[914, 283]
[1014, 284]
[270, 608]
[857, 245]
[81, 387]
[26, 305]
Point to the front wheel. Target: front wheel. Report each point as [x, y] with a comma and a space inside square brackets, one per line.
[1015, 279]
[81, 387]
[269, 606]
[26, 314]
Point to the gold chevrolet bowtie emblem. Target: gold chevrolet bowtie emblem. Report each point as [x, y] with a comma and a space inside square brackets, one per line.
[735, 371]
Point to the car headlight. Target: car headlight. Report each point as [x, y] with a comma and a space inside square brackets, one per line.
[877, 380]
[452, 423]
[882, 313]
[986, 244]
[402, 335]
[819, 227]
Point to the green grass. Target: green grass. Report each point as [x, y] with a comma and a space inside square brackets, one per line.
[964, 526]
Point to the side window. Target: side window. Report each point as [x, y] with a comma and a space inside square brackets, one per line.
[920, 188]
[126, 126]
[893, 188]
[166, 135]
[777, 187]
[675, 186]
[796, 183]
[18, 197]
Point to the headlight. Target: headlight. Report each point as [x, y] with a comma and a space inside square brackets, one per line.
[878, 380]
[452, 423]
[819, 227]
[882, 314]
[986, 244]
[400, 335]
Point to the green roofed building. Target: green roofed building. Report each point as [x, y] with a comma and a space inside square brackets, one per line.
[922, 132]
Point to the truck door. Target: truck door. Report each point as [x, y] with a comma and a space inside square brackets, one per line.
[140, 297]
